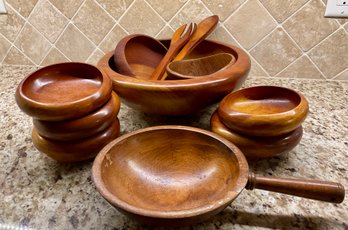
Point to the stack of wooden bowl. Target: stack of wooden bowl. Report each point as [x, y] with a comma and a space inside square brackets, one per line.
[262, 121]
[73, 108]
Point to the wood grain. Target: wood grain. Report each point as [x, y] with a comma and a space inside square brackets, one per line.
[63, 91]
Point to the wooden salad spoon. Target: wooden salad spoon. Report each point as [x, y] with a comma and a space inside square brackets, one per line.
[177, 42]
[204, 28]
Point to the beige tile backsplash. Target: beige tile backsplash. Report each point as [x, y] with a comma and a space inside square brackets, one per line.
[288, 39]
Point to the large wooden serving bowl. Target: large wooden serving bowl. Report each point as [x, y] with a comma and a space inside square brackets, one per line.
[180, 97]
[263, 110]
[175, 175]
[63, 91]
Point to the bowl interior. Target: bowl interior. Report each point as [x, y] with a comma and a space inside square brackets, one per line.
[201, 66]
[62, 83]
[170, 170]
[263, 100]
[143, 63]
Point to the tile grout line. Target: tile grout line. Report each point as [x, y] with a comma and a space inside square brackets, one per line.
[278, 24]
[165, 21]
[304, 53]
[123, 15]
[112, 28]
[97, 47]
[228, 32]
[117, 23]
[8, 48]
[64, 29]
[337, 75]
[15, 40]
[176, 14]
[236, 10]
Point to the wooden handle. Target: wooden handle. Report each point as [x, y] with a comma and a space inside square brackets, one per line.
[312, 189]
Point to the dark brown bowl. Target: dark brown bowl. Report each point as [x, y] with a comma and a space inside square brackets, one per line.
[138, 55]
[180, 97]
[63, 91]
[263, 110]
[82, 127]
[75, 151]
[255, 148]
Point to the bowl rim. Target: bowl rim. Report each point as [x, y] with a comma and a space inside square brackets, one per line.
[118, 203]
[101, 94]
[301, 107]
[241, 68]
[247, 141]
[94, 120]
[122, 46]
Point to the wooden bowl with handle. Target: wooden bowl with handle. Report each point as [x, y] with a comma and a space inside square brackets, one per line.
[63, 91]
[86, 126]
[255, 148]
[263, 110]
[186, 179]
[180, 97]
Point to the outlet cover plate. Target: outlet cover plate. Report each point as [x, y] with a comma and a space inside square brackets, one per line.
[336, 9]
[2, 7]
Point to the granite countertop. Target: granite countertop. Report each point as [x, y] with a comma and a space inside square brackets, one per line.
[39, 193]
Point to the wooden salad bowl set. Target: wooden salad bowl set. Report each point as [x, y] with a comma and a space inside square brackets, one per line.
[74, 110]
[147, 174]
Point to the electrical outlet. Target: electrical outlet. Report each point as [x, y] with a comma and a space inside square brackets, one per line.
[2, 7]
[341, 3]
[336, 9]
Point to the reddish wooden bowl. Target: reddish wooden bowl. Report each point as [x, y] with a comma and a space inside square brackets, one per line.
[82, 127]
[63, 91]
[199, 67]
[255, 148]
[75, 151]
[263, 110]
[138, 55]
[180, 97]
[175, 175]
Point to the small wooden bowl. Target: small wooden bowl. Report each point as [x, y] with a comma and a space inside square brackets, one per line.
[255, 148]
[83, 127]
[263, 110]
[75, 151]
[63, 91]
[199, 67]
[138, 55]
[180, 97]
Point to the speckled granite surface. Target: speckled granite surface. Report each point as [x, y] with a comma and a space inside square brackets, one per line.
[38, 193]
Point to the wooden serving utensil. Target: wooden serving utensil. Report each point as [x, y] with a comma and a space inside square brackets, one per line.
[177, 42]
[204, 28]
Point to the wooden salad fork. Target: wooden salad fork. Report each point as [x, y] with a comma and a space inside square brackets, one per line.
[177, 42]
